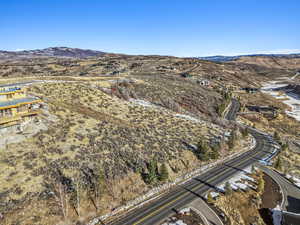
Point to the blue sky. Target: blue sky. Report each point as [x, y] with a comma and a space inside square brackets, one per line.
[165, 27]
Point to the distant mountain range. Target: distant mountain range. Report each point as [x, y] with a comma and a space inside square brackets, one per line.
[66, 52]
[51, 52]
[220, 58]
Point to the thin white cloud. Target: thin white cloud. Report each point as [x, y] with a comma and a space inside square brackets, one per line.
[19, 49]
[278, 51]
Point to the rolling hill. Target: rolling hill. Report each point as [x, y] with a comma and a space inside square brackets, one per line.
[51, 52]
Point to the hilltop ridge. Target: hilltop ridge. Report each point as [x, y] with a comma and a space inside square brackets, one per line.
[51, 52]
[224, 58]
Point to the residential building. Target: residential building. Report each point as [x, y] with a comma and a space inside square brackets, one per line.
[203, 82]
[16, 106]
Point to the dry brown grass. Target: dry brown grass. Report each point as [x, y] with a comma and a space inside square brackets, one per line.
[95, 130]
[241, 207]
[287, 127]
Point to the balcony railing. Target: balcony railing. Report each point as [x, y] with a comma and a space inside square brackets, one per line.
[19, 116]
[4, 120]
[30, 112]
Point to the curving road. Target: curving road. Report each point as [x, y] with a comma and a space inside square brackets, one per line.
[182, 195]
[291, 197]
[291, 193]
[234, 109]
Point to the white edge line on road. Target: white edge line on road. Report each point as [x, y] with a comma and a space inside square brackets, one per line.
[200, 214]
[278, 183]
[198, 172]
[221, 222]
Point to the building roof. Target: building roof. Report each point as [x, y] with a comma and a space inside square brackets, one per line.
[17, 84]
[10, 85]
[17, 102]
[11, 89]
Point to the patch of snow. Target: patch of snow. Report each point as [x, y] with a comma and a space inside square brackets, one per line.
[214, 194]
[221, 187]
[238, 185]
[185, 210]
[236, 181]
[266, 160]
[188, 117]
[142, 103]
[178, 222]
[227, 134]
[151, 105]
[288, 176]
[290, 99]
[122, 80]
[154, 193]
[277, 215]
[245, 177]
[295, 180]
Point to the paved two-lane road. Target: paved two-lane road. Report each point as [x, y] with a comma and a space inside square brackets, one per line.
[234, 109]
[182, 195]
[291, 193]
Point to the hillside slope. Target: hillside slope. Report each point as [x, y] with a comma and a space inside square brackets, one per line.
[50, 52]
[279, 62]
[111, 123]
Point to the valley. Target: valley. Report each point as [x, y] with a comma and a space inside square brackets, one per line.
[116, 130]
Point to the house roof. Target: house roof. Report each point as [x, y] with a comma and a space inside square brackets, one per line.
[11, 89]
[17, 84]
[17, 102]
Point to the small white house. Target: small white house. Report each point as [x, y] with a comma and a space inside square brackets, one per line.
[204, 82]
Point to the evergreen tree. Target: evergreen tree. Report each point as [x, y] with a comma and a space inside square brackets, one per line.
[226, 96]
[260, 185]
[210, 198]
[285, 147]
[228, 188]
[221, 108]
[278, 164]
[202, 151]
[232, 140]
[164, 173]
[152, 175]
[214, 153]
[101, 182]
[276, 136]
[253, 170]
[244, 132]
[243, 108]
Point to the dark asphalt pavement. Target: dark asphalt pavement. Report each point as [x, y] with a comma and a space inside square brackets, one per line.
[181, 195]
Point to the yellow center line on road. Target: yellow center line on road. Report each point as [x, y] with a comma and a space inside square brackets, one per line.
[187, 193]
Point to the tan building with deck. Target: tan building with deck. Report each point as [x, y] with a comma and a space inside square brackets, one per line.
[15, 106]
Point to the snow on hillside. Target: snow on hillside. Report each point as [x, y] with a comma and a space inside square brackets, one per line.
[240, 180]
[151, 105]
[295, 180]
[290, 99]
